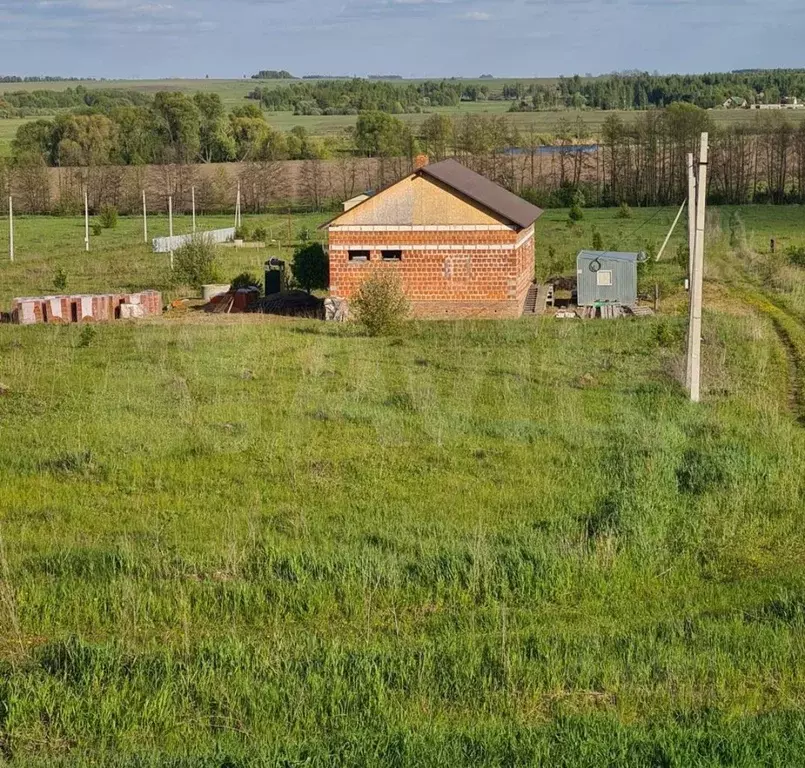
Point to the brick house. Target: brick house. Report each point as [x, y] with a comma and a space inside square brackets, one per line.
[462, 245]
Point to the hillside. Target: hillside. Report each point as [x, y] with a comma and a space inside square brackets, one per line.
[236, 541]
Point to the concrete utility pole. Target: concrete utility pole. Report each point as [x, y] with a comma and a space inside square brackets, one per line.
[193, 195]
[145, 220]
[693, 208]
[10, 228]
[170, 225]
[86, 220]
[238, 217]
[697, 286]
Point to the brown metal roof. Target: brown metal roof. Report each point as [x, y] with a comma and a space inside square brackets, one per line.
[484, 192]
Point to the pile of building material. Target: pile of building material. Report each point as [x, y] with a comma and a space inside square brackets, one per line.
[84, 308]
[233, 301]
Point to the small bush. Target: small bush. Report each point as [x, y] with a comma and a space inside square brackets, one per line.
[97, 229]
[194, 263]
[576, 214]
[669, 335]
[260, 234]
[624, 212]
[311, 267]
[60, 280]
[109, 217]
[246, 280]
[304, 235]
[243, 233]
[796, 255]
[87, 336]
[598, 241]
[380, 304]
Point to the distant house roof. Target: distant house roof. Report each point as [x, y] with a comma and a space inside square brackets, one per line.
[611, 256]
[484, 192]
[477, 188]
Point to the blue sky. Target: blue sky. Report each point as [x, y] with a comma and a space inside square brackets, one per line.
[414, 38]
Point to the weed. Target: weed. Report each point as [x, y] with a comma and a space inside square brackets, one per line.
[60, 279]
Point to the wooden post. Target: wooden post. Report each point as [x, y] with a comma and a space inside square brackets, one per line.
[170, 225]
[695, 362]
[656, 297]
[193, 195]
[86, 220]
[145, 220]
[10, 228]
[773, 245]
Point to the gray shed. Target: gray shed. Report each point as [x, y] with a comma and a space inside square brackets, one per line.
[607, 278]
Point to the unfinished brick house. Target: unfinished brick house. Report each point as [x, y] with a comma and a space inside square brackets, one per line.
[462, 245]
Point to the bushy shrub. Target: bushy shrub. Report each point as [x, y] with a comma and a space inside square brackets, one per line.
[598, 241]
[576, 214]
[380, 304]
[260, 234]
[87, 336]
[243, 232]
[109, 217]
[311, 267]
[194, 263]
[624, 212]
[60, 280]
[246, 280]
[796, 255]
[97, 229]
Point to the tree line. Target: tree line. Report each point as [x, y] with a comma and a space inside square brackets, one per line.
[641, 162]
[31, 103]
[351, 97]
[643, 90]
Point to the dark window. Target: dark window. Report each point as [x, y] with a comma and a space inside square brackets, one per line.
[359, 255]
[392, 255]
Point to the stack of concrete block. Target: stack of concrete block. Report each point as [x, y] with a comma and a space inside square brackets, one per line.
[85, 308]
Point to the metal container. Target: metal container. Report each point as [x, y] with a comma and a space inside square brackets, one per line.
[607, 278]
[274, 272]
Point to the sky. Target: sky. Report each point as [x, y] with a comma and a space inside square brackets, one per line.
[151, 39]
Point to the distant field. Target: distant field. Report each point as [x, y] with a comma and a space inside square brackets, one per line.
[8, 129]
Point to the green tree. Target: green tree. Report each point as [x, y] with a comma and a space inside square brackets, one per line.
[216, 142]
[438, 135]
[179, 127]
[311, 267]
[379, 134]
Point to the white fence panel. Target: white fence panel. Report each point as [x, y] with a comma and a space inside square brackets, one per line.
[168, 244]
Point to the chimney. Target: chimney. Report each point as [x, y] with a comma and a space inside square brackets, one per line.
[420, 161]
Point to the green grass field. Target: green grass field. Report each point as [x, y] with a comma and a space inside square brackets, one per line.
[234, 92]
[250, 541]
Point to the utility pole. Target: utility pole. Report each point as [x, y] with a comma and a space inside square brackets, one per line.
[170, 226]
[238, 217]
[86, 220]
[697, 286]
[693, 207]
[10, 228]
[193, 196]
[145, 220]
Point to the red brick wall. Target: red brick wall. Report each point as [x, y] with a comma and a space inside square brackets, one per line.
[491, 281]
